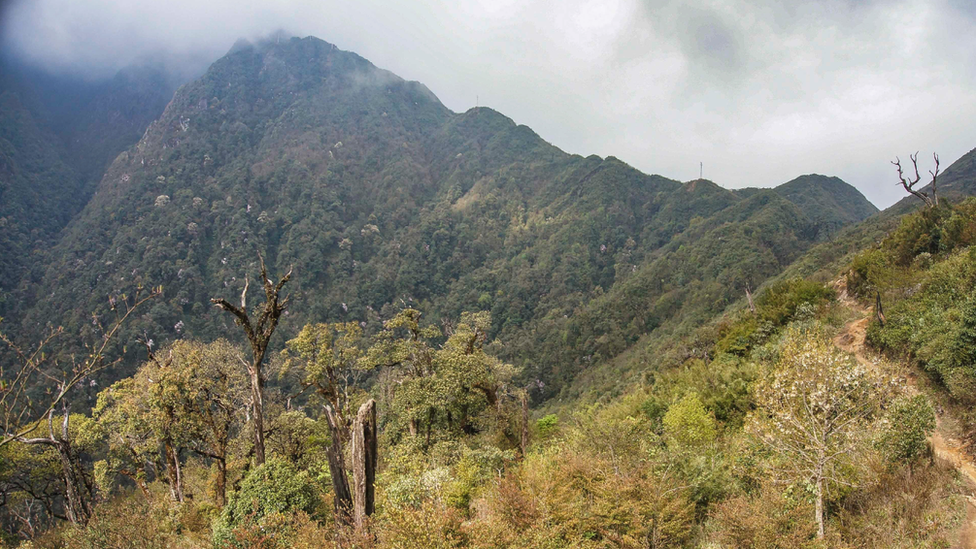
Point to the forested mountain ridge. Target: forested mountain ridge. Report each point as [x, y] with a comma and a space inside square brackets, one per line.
[381, 197]
[57, 136]
[832, 203]
[35, 183]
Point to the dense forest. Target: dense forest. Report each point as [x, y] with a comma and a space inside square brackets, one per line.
[379, 198]
[307, 305]
[57, 136]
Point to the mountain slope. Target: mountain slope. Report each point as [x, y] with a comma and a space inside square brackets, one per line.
[57, 136]
[380, 198]
[832, 203]
[37, 190]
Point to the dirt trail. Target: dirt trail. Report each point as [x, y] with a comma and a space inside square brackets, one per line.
[851, 339]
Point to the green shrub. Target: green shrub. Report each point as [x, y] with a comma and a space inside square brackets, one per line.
[274, 488]
[547, 425]
[908, 423]
[867, 272]
[738, 337]
[780, 302]
[688, 423]
[918, 233]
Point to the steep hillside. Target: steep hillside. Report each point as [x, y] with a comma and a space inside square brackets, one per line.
[37, 191]
[381, 197]
[57, 136]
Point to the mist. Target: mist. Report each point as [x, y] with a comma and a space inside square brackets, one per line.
[757, 92]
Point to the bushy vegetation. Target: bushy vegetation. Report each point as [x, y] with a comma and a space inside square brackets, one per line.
[924, 273]
[689, 458]
[266, 493]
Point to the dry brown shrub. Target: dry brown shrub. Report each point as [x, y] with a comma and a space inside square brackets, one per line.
[921, 508]
[431, 526]
[767, 521]
[571, 499]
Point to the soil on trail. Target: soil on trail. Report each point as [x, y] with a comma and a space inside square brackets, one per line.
[851, 339]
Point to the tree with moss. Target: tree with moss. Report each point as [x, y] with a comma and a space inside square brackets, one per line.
[814, 412]
[450, 387]
[208, 393]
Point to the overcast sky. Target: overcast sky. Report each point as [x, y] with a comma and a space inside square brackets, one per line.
[757, 91]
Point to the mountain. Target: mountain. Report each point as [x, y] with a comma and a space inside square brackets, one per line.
[57, 136]
[832, 203]
[956, 183]
[37, 189]
[380, 197]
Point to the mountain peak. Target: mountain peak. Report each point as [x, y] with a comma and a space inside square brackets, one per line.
[829, 201]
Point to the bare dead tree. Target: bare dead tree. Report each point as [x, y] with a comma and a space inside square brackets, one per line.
[364, 463]
[18, 411]
[22, 416]
[909, 183]
[258, 336]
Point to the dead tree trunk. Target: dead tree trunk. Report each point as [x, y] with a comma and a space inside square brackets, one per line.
[258, 336]
[78, 508]
[524, 446]
[337, 469]
[364, 462]
[173, 473]
[257, 406]
[221, 487]
[752, 306]
[879, 312]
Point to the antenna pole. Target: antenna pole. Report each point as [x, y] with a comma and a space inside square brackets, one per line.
[701, 169]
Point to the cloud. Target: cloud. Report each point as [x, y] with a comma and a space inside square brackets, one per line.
[759, 90]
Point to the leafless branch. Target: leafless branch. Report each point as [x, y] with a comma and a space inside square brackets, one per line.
[16, 408]
[908, 183]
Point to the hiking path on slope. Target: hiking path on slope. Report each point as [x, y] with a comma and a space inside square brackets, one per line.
[851, 339]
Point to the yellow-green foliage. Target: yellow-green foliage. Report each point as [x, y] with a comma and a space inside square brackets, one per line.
[688, 423]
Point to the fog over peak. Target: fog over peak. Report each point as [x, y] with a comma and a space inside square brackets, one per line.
[757, 91]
